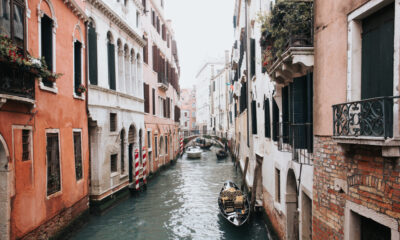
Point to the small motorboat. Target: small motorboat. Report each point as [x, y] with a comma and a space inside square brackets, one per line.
[206, 146]
[194, 152]
[233, 204]
[221, 154]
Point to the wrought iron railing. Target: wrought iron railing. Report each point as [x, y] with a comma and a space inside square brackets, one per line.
[15, 82]
[296, 138]
[366, 118]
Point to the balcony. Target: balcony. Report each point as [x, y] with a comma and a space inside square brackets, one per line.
[16, 85]
[366, 122]
[287, 43]
[163, 84]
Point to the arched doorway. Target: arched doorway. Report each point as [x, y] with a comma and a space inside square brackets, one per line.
[292, 215]
[4, 191]
[131, 147]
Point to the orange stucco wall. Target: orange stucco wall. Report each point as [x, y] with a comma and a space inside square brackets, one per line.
[330, 69]
[30, 205]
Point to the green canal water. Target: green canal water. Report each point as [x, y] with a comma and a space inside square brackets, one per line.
[180, 203]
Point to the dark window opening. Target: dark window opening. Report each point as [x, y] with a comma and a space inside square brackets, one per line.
[92, 55]
[154, 101]
[254, 117]
[275, 121]
[77, 67]
[113, 159]
[47, 45]
[111, 65]
[267, 119]
[113, 122]
[146, 98]
[371, 230]
[26, 145]
[277, 185]
[78, 155]
[53, 164]
[243, 97]
[122, 137]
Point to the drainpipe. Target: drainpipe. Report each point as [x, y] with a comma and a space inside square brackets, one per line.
[87, 99]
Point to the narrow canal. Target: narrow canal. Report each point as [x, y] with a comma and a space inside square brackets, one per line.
[180, 203]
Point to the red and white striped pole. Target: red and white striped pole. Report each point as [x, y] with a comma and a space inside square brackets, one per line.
[181, 142]
[144, 165]
[137, 169]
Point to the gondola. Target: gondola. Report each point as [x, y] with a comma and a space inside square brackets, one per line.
[221, 154]
[206, 146]
[233, 204]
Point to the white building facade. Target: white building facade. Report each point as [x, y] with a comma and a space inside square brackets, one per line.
[116, 118]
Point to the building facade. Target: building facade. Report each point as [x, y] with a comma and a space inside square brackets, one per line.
[188, 112]
[356, 131]
[161, 87]
[44, 150]
[116, 103]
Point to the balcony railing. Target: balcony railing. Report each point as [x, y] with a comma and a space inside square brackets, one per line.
[163, 83]
[296, 138]
[15, 82]
[367, 118]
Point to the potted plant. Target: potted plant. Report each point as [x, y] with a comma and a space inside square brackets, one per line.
[81, 89]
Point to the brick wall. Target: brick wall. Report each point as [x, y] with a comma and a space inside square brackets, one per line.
[366, 178]
[57, 226]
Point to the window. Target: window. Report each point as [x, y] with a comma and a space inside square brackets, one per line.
[166, 144]
[113, 122]
[146, 98]
[186, 114]
[144, 4]
[243, 97]
[92, 35]
[162, 3]
[252, 57]
[53, 164]
[113, 161]
[193, 125]
[77, 67]
[168, 107]
[275, 121]
[154, 101]
[267, 121]
[186, 124]
[122, 140]
[17, 33]
[161, 145]
[111, 62]
[153, 18]
[277, 185]
[137, 19]
[146, 51]
[26, 145]
[149, 139]
[254, 116]
[78, 155]
[156, 146]
[193, 114]
[47, 45]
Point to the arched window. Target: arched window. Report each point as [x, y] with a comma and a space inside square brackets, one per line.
[139, 74]
[78, 63]
[111, 61]
[92, 35]
[13, 27]
[161, 145]
[127, 69]
[133, 72]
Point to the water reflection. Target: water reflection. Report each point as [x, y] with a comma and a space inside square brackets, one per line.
[181, 203]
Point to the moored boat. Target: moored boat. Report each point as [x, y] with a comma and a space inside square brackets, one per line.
[233, 204]
[194, 152]
[221, 154]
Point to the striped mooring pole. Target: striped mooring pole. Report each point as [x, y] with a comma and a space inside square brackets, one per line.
[137, 169]
[181, 142]
[144, 165]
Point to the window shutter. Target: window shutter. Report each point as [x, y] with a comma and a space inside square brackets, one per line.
[309, 122]
[267, 121]
[154, 101]
[77, 66]
[285, 114]
[92, 55]
[146, 98]
[299, 112]
[275, 120]
[111, 66]
[168, 108]
[243, 97]
[253, 57]
[146, 51]
[254, 116]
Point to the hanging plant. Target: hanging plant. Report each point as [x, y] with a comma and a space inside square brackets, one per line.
[81, 89]
[14, 57]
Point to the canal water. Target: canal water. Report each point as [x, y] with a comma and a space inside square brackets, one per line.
[180, 203]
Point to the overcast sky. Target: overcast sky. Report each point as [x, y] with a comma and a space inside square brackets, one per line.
[203, 31]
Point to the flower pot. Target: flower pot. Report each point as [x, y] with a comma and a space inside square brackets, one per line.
[51, 79]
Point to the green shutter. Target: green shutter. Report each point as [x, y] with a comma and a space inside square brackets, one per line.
[275, 120]
[309, 121]
[254, 116]
[377, 54]
[111, 66]
[299, 112]
[267, 121]
[285, 114]
[253, 57]
[92, 55]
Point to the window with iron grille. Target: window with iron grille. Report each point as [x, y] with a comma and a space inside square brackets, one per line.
[113, 122]
[113, 161]
[53, 164]
[122, 138]
[26, 145]
[78, 155]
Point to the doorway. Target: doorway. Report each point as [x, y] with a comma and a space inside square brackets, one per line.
[132, 143]
[292, 215]
[306, 217]
[4, 191]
